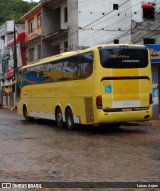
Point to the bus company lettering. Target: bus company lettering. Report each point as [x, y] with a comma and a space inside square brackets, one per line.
[130, 60]
[119, 56]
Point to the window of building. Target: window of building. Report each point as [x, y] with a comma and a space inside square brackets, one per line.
[116, 41]
[31, 55]
[65, 46]
[65, 15]
[115, 6]
[148, 41]
[31, 25]
[148, 12]
[39, 21]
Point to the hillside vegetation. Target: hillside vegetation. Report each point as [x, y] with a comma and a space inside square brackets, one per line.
[14, 9]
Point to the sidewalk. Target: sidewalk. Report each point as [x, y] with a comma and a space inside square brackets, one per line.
[7, 107]
[155, 122]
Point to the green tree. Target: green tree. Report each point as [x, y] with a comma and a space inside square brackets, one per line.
[14, 9]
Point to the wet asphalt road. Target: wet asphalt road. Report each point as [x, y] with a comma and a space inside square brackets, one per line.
[40, 152]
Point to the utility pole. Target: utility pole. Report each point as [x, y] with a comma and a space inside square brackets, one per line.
[15, 65]
[15, 54]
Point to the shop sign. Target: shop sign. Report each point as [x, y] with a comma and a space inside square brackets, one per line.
[154, 52]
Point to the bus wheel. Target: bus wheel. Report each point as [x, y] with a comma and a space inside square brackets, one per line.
[25, 114]
[59, 117]
[69, 119]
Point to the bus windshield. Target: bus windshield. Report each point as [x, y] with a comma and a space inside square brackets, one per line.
[123, 57]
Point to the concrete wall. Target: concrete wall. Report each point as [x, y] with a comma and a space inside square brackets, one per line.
[53, 21]
[64, 25]
[50, 21]
[80, 14]
[136, 7]
[143, 28]
[73, 24]
[106, 22]
[49, 49]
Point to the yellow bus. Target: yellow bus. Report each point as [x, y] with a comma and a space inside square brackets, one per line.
[105, 85]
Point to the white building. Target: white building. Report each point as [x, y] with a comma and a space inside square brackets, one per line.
[146, 30]
[145, 21]
[75, 24]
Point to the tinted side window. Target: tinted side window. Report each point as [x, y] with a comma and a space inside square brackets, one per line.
[57, 71]
[69, 68]
[31, 75]
[24, 79]
[48, 73]
[39, 74]
[72, 68]
[85, 65]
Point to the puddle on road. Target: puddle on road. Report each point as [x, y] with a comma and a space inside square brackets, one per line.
[39, 151]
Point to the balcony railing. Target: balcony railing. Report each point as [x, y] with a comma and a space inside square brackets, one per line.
[56, 35]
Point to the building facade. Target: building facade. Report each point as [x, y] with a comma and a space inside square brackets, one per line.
[75, 24]
[146, 30]
[32, 21]
[10, 50]
[145, 21]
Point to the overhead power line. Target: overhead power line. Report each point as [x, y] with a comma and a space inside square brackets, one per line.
[97, 19]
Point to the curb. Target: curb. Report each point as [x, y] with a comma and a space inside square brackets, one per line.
[8, 107]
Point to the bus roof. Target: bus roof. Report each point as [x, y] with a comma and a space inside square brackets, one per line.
[76, 52]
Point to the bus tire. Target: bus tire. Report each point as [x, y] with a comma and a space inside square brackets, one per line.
[25, 114]
[59, 118]
[69, 119]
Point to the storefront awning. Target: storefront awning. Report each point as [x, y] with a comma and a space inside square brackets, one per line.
[19, 38]
[10, 73]
[147, 6]
[154, 52]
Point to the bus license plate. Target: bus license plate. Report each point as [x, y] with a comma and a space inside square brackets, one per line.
[126, 109]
